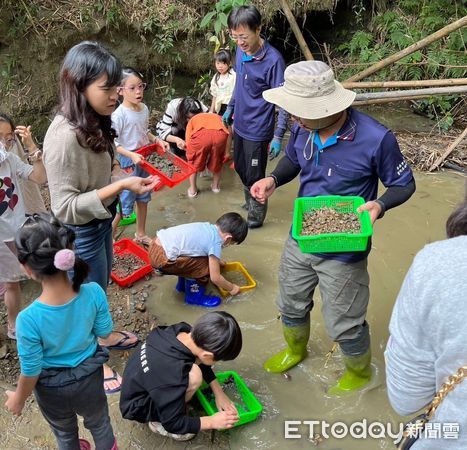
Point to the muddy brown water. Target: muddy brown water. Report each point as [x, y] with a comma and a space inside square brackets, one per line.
[397, 238]
[301, 396]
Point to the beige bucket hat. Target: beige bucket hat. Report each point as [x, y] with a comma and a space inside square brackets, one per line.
[310, 91]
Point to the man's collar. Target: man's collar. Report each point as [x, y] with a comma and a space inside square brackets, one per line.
[348, 130]
[259, 55]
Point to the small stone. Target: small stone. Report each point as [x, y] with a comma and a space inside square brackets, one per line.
[145, 295]
[3, 351]
[141, 307]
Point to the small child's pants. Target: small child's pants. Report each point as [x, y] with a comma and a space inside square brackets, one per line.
[128, 198]
[60, 406]
[207, 148]
[196, 267]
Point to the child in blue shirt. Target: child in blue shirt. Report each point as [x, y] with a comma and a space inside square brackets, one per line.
[57, 337]
[193, 251]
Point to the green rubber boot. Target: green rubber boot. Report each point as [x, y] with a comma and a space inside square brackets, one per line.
[357, 374]
[297, 339]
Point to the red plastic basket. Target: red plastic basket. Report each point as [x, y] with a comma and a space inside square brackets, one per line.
[185, 169]
[125, 246]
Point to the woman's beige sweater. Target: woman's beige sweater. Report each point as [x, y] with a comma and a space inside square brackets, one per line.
[75, 173]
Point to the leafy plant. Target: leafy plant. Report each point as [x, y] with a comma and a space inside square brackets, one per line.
[216, 21]
[395, 29]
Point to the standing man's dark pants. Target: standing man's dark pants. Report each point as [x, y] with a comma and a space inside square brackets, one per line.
[251, 158]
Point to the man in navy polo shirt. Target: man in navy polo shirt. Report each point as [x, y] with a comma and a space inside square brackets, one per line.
[337, 151]
[259, 66]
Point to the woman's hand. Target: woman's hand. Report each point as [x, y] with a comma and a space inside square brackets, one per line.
[26, 137]
[13, 404]
[140, 185]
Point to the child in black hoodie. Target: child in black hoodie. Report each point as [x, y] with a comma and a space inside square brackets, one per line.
[168, 369]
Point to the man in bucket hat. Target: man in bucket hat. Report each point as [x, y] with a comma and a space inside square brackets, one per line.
[337, 151]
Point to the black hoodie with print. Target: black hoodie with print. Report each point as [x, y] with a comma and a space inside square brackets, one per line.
[156, 379]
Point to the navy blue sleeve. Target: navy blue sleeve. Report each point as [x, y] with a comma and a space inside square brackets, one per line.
[238, 68]
[290, 149]
[391, 167]
[276, 79]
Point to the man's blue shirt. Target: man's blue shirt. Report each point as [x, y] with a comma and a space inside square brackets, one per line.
[254, 116]
[348, 163]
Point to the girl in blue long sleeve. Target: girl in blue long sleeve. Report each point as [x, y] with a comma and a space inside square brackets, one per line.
[60, 358]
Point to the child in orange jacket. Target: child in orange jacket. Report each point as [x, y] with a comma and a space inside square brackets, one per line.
[206, 137]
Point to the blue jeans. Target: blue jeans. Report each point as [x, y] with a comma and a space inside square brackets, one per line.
[128, 198]
[93, 245]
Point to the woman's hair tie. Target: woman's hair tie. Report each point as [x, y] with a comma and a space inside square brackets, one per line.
[64, 259]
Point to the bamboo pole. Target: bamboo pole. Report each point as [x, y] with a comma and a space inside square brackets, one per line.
[404, 84]
[449, 90]
[380, 101]
[296, 30]
[411, 49]
[448, 150]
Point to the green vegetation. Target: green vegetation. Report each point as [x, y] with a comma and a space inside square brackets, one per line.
[216, 20]
[397, 28]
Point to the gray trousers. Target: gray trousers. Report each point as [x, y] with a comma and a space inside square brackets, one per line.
[60, 406]
[344, 294]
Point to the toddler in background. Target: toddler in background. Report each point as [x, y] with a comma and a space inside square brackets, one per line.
[222, 87]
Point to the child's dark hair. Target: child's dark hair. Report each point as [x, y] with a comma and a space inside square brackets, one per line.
[39, 240]
[83, 64]
[456, 224]
[188, 105]
[219, 333]
[223, 56]
[234, 224]
[247, 16]
[7, 119]
[127, 72]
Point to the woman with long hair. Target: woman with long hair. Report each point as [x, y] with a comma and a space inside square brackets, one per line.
[79, 160]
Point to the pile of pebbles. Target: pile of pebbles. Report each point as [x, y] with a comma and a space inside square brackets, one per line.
[163, 164]
[328, 220]
[125, 264]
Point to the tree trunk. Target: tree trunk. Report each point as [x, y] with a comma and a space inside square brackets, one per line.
[296, 30]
